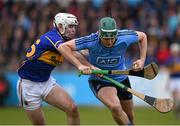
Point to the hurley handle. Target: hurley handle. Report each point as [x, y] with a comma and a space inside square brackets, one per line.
[100, 72]
[95, 72]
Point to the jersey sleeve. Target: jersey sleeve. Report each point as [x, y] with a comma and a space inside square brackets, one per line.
[129, 36]
[86, 42]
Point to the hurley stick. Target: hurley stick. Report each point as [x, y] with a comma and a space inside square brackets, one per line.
[163, 105]
[149, 72]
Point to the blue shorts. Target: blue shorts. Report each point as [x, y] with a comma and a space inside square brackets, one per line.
[96, 85]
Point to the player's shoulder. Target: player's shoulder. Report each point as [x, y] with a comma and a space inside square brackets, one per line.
[90, 38]
[52, 35]
[123, 32]
[94, 36]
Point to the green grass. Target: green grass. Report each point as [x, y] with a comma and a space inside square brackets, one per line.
[88, 116]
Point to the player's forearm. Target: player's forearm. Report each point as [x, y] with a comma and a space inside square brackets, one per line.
[81, 58]
[143, 46]
[68, 54]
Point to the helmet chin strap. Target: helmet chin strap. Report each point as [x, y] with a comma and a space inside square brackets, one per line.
[66, 38]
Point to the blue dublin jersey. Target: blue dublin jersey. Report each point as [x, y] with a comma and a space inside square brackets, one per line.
[42, 57]
[108, 58]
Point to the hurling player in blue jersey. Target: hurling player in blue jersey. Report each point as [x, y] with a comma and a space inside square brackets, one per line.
[107, 50]
[35, 83]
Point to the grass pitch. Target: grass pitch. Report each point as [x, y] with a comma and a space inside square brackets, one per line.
[88, 116]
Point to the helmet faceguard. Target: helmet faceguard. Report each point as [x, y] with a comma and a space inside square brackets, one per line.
[107, 28]
[65, 19]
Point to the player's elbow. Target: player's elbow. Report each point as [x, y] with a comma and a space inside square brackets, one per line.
[142, 36]
[63, 48]
[67, 47]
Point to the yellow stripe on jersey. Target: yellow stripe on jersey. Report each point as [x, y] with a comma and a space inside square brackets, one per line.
[50, 41]
[51, 58]
[57, 42]
[175, 68]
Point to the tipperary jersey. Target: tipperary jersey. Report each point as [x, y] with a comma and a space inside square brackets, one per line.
[42, 57]
[108, 58]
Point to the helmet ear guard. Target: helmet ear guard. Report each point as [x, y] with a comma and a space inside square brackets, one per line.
[107, 28]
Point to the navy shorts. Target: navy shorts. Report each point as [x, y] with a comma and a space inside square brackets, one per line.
[96, 85]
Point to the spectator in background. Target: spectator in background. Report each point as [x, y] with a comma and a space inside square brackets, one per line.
[177, 35]
[155, 17]
[152, 50]
[4, 89]
[174, 82]
[163, 53]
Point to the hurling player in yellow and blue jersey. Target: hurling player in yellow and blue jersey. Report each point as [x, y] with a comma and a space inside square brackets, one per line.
[36, 84]
[107, 49]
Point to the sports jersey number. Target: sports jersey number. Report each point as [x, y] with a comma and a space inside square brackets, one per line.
[32, 50]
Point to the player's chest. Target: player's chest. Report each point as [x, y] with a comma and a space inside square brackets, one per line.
[107, 56]
[101, 51]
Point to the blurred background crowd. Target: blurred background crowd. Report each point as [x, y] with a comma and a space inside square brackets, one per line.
[23, 21]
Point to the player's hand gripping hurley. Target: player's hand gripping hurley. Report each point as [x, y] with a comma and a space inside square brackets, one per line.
[149, 72]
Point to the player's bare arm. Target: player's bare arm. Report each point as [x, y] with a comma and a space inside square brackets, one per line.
[66, 49]
[85, 53]
[138, 64]
[82, 56]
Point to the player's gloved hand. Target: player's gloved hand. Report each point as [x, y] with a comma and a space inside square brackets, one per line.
[138, 65]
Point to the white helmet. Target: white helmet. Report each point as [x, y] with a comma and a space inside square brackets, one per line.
[65, 19]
